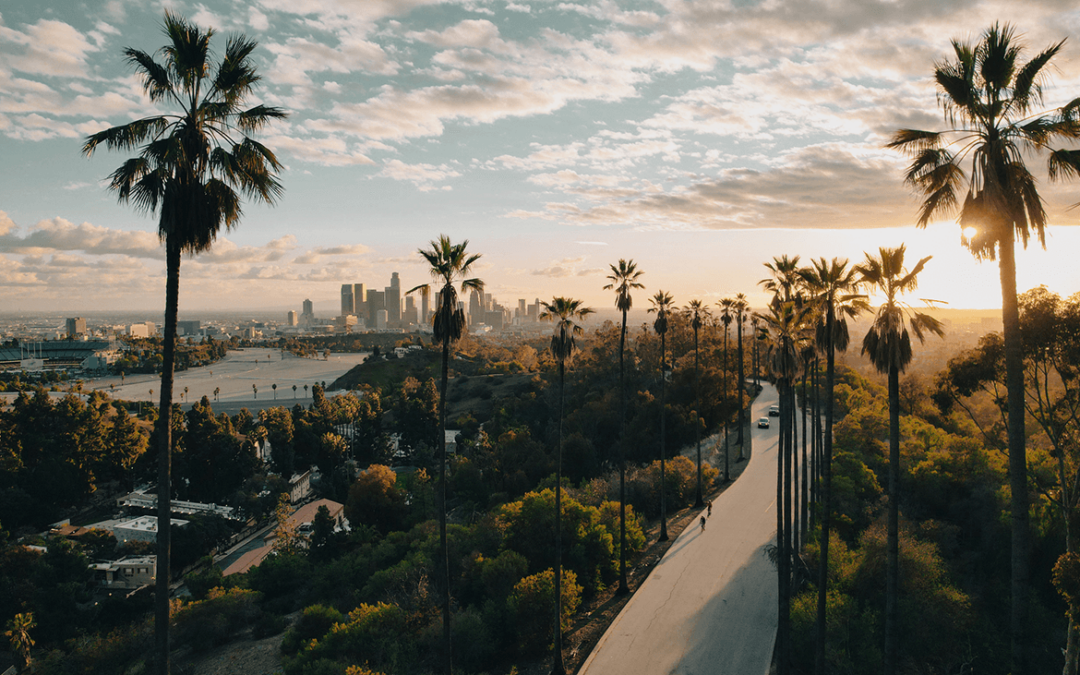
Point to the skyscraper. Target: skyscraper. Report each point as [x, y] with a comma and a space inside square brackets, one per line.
[424, 309]
[409, 315]
[307, 317]
[360, 300]
[393, 301]
[375, 302]
[292, 319]
[76, 326]
[347, 306]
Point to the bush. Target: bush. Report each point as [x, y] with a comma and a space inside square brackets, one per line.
[314, 622]
[376, 635]
[532, 604]
[207, 623]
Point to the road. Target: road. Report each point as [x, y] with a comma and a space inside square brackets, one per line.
[709, 606]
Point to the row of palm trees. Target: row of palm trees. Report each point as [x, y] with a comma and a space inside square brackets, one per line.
[808, 314]
[191, 167]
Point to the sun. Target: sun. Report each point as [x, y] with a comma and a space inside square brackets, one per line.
[970, 232]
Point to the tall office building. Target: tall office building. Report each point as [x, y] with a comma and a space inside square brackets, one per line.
[521, 311]
[424, 309]
[76, 326]
[376, 300]
[393, 301]
[409, 315]
[307, 317]
[476, 309]
[292, 319]
[347, 306]
[359, 297]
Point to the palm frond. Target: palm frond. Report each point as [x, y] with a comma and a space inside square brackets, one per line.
[1027, 89]
[914, 141]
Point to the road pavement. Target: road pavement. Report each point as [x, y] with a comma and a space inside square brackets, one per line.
[709, 606]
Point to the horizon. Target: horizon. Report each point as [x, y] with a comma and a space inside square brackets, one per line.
[556, 138]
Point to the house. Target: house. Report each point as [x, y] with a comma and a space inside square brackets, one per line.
[126, 573]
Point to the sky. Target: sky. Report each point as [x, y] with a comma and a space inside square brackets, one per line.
[700, 139]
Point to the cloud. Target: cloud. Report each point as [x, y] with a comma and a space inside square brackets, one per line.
[225, 251]
[50, 48]
[58, 234]
[316, 255]
[420, 174]
[567, 267]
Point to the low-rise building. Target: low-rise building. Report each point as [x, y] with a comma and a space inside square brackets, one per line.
[126, 573]
[143, 528]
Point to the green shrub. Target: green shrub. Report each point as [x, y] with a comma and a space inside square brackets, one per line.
[207, 623]
[314, 622]
[376, 635]
[532, 604]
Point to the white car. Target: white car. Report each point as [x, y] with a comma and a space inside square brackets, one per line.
[763, 423]
[774, 411]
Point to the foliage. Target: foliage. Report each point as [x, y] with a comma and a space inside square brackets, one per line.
[375, 499]
[376, 635]
[532, 604]
[204, 624]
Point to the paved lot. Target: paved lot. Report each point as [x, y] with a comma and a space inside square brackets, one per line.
[709, 607]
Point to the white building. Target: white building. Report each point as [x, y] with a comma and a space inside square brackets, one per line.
[143, 528]
[126, 573]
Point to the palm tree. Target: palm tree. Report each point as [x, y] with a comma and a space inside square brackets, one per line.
[741, 307]
[624, 278]
[833, 288]
[190, 168]
[217, 390]
[699, 314]
[990, 100]
[274, 387]
[449, 264]
[786, 321]
[294, 392]
[566, 312]
[662, 304]
[255, 390]
[727, 315]
[18, 634]
[888, 344]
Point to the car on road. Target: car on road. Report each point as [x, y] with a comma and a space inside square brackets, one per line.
[774, 411]
[763, 423]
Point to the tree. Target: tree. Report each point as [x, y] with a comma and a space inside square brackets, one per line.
[217, 391]
[741, 307]
[623, 278]
[274, 387]
[888, 344]
[18, 633]
[699, 314]
[190, 169]
[662, 304]
[565, 312]
[293, 392]
[990, 100]
[786, 320]
[449, 264]
[727, 314]
[833, 288]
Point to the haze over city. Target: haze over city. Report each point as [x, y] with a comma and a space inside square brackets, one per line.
[556, 137]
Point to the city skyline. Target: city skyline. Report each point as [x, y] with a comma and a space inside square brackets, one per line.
[699, 140]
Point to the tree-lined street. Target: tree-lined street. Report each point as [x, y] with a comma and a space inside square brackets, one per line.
[710, 604]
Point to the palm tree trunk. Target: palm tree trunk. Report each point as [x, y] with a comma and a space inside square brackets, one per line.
[741, 389]
[624, 587]
[826, 508]
[443, 546]
[727, 422]
[163, 574]
[892, 541]
[559, 668]
[804, 502]
[785, 559]
[663, 438]
[781, 587]
[700, 501]
[795, 470]
[1014, 380]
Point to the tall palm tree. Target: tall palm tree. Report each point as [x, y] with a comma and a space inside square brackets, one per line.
[742, 306]
[727, 315]
[566, 312]
[833, 289]
[785, 320]
[450, 265]
[190, 168]
[990, 100]
[698, 314]
[662, 304]
[624, 278]
[888, 344]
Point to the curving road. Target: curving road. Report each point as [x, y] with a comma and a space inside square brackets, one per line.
[709, 606]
